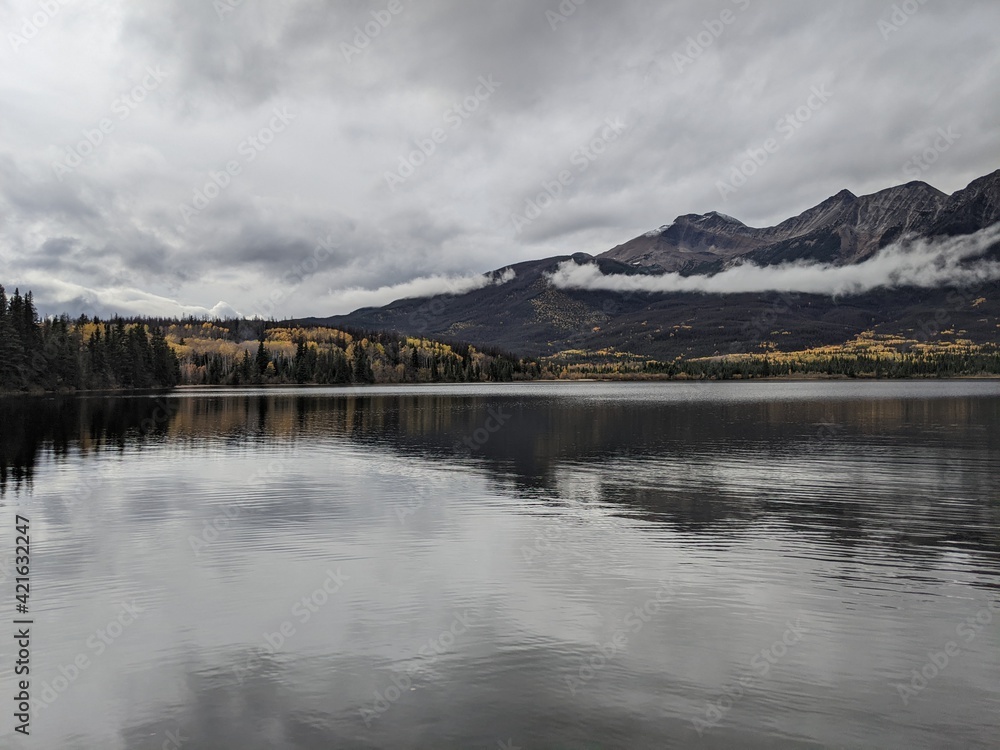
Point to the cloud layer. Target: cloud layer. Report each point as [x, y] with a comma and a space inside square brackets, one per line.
[276, 125]
[922, 263]
[427, 286]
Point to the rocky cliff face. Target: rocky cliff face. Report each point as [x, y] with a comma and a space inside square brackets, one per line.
[842, 229]
[971, 209]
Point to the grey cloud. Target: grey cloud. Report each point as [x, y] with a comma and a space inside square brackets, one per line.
[354, 118]
[951, 262]
[39, 194]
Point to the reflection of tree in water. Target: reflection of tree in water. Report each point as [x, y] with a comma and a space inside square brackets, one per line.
[57, 425]
[697, 465]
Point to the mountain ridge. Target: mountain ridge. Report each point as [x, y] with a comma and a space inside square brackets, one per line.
[531, 316]
[846, 228]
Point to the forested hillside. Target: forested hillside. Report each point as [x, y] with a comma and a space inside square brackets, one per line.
[60, 354]
[241, 352]
[869, 355]
[63, 354]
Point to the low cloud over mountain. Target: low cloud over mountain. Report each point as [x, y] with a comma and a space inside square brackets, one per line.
[908, 260]
[924, 263]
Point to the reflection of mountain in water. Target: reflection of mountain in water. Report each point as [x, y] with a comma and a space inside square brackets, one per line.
[711, 460]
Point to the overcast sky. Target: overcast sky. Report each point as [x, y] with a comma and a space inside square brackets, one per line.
[114, 117]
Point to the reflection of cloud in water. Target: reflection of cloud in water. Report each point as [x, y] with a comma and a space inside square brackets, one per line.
[314, 704]
[723, 488]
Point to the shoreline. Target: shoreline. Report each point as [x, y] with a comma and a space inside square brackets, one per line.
[121, 392]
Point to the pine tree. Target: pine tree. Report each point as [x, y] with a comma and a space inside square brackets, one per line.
[304, 366]
[262, 359]
[246, 367]
[362, 367]
[10, 347]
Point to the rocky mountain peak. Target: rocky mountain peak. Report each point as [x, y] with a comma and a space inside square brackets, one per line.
[844, 228]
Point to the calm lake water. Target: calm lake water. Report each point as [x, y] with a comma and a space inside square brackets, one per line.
[550, 565]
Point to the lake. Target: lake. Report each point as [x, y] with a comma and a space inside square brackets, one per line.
[537, 565]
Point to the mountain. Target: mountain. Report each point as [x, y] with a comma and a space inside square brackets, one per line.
[531, 316]
[842, 229]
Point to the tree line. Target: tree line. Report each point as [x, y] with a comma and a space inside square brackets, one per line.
[60, 354]
[63, 354]
[219, 353]
[958, 363]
